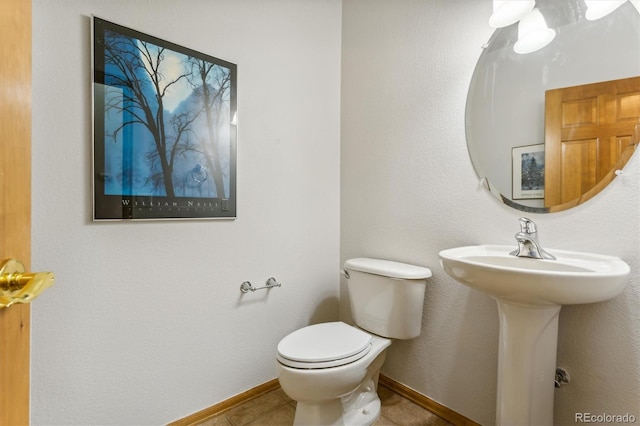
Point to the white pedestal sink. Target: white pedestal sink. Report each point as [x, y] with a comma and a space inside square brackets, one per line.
[530, 293]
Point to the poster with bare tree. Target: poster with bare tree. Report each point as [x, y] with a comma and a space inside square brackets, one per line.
[164, 140]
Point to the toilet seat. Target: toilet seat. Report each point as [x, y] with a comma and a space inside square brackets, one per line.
[323, 345]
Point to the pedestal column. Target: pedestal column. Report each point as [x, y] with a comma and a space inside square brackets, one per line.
[526, 364]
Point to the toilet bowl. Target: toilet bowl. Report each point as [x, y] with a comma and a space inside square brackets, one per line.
[331, 369]
[333, 391]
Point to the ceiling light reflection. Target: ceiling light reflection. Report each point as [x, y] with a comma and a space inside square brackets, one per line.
[533, 33]
[507, 12]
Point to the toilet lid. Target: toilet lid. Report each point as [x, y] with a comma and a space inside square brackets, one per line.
[323, 345]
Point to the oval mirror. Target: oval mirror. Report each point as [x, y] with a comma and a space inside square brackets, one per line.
[506, 108]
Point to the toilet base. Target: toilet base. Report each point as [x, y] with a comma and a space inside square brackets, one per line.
[360, 408]
[330, 413]
[365, 416]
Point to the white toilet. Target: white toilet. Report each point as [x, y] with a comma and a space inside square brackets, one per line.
[331, 369]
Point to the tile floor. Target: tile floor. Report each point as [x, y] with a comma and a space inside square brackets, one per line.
[276, 408]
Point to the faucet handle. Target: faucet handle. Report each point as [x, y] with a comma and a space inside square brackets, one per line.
[527, 226]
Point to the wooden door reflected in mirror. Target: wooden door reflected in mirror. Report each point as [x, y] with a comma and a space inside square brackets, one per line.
[591, 131]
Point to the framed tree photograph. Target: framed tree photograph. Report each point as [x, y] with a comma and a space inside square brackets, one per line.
[164, 129]
[528, 172]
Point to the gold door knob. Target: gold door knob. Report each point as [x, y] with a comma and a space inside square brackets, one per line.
[18, 286]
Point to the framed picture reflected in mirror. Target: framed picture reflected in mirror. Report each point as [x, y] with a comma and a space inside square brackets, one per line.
[528, 172]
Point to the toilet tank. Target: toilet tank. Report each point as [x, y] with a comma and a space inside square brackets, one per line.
[387, 297]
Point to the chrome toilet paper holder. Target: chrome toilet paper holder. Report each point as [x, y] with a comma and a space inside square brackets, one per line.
[246, 286]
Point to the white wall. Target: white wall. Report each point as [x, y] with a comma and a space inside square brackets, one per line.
[409, 190]
[146, 323]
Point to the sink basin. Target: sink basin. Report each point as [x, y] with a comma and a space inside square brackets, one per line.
[573, 278]
[530, 294]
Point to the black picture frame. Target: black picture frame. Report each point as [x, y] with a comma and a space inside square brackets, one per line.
[164, 129]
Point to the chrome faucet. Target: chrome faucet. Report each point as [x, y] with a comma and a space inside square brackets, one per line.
[528, 244]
